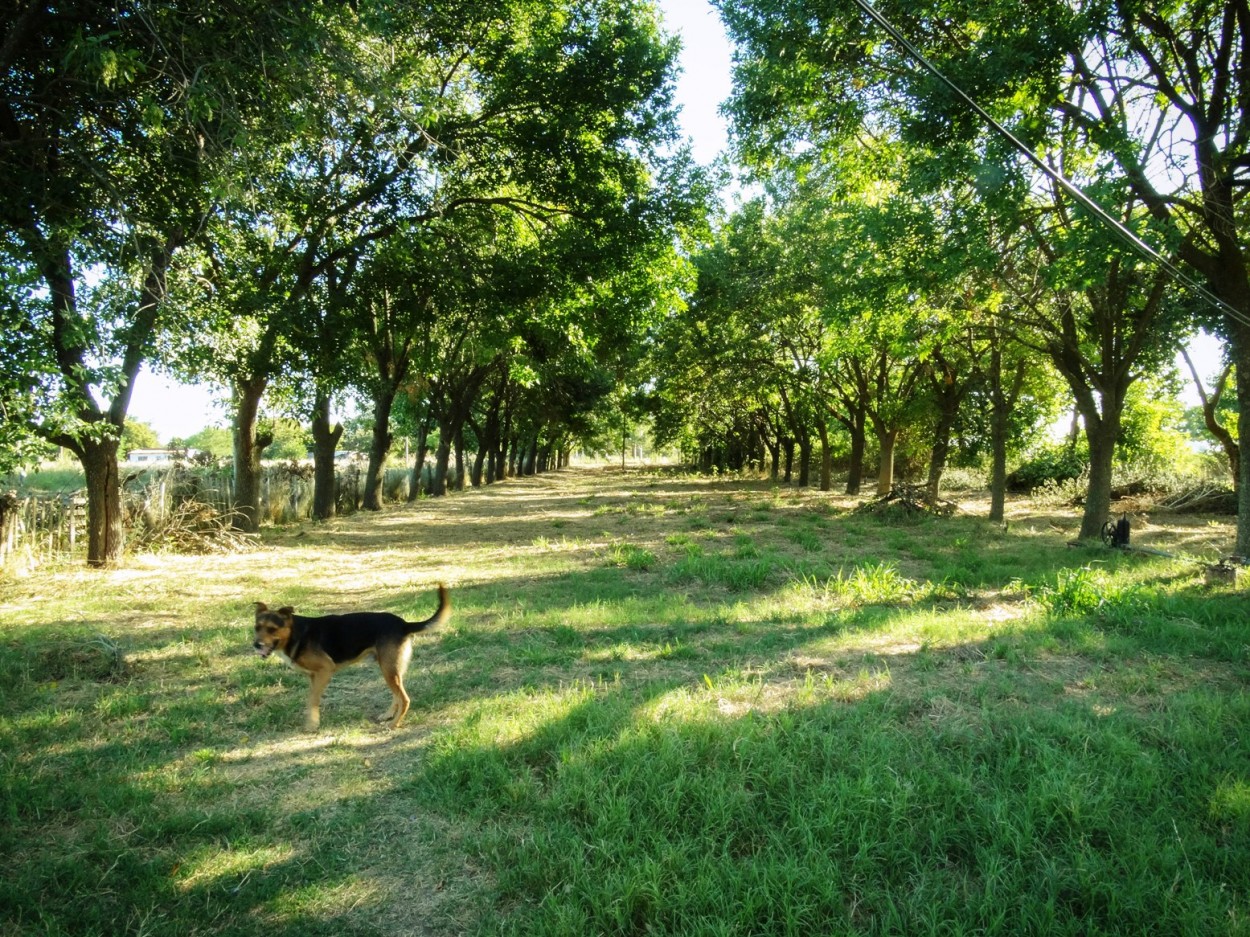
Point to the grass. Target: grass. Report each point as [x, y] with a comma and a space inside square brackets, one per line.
[721, 708]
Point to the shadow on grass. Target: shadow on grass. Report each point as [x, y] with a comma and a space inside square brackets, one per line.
[881, 815]
[603, 750]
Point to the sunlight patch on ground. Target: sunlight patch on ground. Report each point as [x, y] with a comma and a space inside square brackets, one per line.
[229, 862]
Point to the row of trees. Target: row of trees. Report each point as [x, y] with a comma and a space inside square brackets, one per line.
[471, 216]
[908, 266]
[464, 210]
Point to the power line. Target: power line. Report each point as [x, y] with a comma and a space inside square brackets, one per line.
[1068, 186]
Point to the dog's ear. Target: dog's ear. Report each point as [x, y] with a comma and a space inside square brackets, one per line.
[260, 607]
[286, 611]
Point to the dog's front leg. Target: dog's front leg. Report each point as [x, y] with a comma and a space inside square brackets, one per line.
[318, 681]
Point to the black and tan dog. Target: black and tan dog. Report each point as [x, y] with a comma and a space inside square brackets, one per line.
[323, 645]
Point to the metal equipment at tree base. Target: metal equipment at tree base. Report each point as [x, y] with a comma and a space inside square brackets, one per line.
[1116, 533]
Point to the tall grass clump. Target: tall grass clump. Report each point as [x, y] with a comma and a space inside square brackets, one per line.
[1074, 592]
[737, 575]
[871, 584]
[630, 556]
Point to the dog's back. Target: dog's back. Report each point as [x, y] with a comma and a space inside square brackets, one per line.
[350, 636]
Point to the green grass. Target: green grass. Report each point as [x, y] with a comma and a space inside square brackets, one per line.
[924, 727]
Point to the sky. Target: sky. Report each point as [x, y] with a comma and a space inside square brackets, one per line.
[177, 410]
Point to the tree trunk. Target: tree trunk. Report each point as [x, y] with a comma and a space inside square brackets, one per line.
[773, 448]
[105, 531]
[487, 439]
[460, 459]
[325, 442]
[1002, 401]
[1241, 361]
[248, 447]
[1210, 406]
[948, 411]
[998, 468]
[442, 460]
[416, 479]
[502, 456]
[885, 474]
[855, 471]
[826, 458]
[500, 471]
[379, 446]
[479, 462]
[1100, 433]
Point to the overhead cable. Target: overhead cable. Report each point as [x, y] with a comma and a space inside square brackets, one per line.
[1142, 247]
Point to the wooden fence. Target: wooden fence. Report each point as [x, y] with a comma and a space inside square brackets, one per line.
[35, 528]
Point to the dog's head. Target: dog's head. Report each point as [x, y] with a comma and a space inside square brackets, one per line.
[273, 628]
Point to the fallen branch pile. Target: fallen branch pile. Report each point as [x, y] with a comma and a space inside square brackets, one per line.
[910, 500]
[1204, 499]
[191, 527]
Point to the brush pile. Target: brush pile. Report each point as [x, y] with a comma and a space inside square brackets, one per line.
[190, 527]
[911, 501]
[1203, 499]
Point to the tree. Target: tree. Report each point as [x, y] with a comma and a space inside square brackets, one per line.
[116, 122]
[553, 115]
[138, 435]
[212, 439]
[1214, 409]
[1155, 92]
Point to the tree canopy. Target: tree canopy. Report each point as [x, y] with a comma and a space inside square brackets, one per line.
[479, 223]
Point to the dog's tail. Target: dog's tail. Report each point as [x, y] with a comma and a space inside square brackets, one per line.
[440, 616]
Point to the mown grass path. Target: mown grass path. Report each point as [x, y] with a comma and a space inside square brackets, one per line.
[664, 704]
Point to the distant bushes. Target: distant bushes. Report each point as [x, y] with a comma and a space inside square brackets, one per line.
[1053, 465]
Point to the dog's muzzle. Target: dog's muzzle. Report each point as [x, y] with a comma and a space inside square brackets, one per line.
[264, 650]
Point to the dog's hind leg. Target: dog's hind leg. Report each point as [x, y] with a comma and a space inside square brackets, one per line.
[394, 661]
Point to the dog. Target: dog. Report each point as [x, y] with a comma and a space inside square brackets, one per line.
[323, 645]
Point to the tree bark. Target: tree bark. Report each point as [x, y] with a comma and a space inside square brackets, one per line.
[1210, 405]
[1002, 400]
[772, 448]
[1100, 433]
[379, 446]
[886, 439]
[1241, 360]
[478, 470]
[325, 442]
[460, 457]
[105, 531]
[805, 460]
[416, 479]
[826, 458]
[855, 471]
[248, 447]
[442, 460]
[949, 395]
